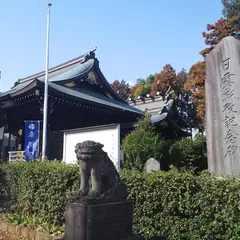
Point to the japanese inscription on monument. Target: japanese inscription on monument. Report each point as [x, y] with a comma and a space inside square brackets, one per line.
[222, 96]
[229, 109]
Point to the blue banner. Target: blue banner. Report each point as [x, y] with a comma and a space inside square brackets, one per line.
[31, 140]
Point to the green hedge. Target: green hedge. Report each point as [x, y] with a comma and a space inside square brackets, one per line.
[40, 188]
[185, 206]
[179, 205]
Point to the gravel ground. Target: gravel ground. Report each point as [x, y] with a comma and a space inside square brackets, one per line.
[5, 236]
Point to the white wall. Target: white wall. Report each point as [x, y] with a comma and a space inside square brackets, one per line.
[108, 135]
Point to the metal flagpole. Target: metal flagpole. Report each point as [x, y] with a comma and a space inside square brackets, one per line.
[45, 105]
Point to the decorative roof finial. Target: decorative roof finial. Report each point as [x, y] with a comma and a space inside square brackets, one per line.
[94, 49]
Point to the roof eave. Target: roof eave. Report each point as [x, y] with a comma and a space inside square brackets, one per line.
[61, 90]
[107, 83]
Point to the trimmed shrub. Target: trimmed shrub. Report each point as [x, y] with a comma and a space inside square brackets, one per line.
[188, 153]
[144, 142]
[179, 205]
[140, 145]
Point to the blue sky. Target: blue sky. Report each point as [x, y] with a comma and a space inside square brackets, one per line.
[134, 38]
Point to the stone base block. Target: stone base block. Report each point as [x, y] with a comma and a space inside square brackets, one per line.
[158, 238]
[135, 237]
[112, 221]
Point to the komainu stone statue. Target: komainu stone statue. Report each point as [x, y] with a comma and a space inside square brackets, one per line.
[106, 185]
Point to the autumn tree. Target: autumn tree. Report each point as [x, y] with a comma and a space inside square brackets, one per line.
[135, 90]
[138, 88]
[196, 85]
[216, 32]
[227, 26]
[163, 80]
[121, 88]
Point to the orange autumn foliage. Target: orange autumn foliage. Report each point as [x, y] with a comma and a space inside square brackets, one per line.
[187, 86]
[196, 78]
[216, 32]
[134, 90]
[196, 84]
[163, 80]
[201, 111]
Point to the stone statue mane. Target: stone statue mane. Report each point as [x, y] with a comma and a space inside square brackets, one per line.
[94, 164]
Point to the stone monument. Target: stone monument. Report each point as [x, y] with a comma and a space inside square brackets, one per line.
[222, 90]
[152, 165]
[103, 212]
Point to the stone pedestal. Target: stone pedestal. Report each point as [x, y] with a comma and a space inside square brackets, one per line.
[112, 221]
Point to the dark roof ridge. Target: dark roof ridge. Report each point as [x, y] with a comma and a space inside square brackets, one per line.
[82, 58]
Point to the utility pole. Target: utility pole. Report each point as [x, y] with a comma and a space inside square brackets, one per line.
[45, 105]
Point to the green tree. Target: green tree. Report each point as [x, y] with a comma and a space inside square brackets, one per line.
[187, 116]
[180, 81]
[231, 12]
[143, 87]
[149, 82]
[142, 91]
[150, 79]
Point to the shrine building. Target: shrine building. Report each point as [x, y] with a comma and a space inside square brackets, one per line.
[78, 96]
